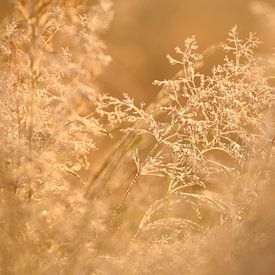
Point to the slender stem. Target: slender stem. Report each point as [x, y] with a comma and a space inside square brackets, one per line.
[31, 101]
[130, 187]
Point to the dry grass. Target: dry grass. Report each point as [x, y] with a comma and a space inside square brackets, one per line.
[184, 185]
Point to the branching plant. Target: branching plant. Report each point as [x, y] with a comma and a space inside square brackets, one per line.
[206, 129]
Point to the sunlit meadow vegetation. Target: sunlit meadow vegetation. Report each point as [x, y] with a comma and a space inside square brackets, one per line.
[95, 184]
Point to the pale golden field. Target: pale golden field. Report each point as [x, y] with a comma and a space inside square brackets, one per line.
[137, 137]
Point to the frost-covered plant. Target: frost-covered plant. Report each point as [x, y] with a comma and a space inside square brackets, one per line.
[207, 125]
[211, 137]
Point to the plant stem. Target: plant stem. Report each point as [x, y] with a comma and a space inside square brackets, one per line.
[130, 187]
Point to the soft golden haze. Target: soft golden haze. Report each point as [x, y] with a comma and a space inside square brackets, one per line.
[95, 181]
